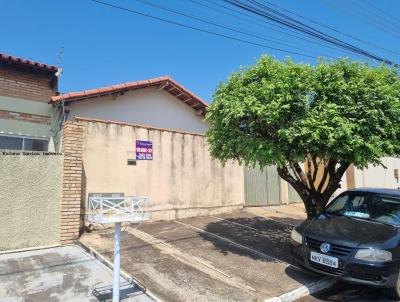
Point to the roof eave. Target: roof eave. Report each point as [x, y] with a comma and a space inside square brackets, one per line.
[164, 82]
[28, 64]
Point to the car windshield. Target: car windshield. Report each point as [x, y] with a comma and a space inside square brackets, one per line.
[379, 208]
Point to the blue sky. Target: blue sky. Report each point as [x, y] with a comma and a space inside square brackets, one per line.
[104, 46]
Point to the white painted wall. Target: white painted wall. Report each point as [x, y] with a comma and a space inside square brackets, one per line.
[379, 176]
[343, 185]
[148, 106]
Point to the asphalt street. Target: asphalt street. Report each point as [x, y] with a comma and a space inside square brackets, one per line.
[348, 292]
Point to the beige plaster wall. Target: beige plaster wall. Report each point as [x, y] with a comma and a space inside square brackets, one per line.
[181, 181]
[30, 195]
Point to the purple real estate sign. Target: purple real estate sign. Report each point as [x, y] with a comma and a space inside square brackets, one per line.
[144, 150]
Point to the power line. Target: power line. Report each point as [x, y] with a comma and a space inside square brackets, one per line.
[372, 12]
[251, 15]
[370, 17]
[349, 10]
[262, 24]
[271, 14]
[199, 29]
[234, 29]
[332, 28]
[382, 11]
[320, 34]
[286, 21]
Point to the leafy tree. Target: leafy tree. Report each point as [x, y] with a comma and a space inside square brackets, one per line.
[330, 115]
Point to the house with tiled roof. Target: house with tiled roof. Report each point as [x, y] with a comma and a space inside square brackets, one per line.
[26, 87]
[159, 102]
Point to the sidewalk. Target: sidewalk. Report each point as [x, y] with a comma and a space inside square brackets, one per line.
[67, 274]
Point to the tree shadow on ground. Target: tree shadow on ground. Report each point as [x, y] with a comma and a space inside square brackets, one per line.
[289, 220]
[265, 239]
[259, 239]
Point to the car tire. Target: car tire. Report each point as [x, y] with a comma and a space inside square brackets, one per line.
[394, 292]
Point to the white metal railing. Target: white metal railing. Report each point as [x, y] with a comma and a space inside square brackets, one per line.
[118, 209]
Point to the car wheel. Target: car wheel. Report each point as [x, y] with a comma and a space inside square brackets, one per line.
[394, 292]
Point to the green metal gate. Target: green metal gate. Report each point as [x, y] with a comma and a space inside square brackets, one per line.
[262, 187]
[293, 195]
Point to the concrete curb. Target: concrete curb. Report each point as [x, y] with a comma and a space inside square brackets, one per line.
[28, 249]
[303, 291]
[123, 274]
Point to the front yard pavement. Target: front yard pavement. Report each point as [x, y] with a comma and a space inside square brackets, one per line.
[66, 274]
[232, 257]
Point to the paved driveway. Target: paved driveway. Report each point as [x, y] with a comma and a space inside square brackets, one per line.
[234, 257]
[59, 274]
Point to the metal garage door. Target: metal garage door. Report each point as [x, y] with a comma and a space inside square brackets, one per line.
[293, 195]
[262, 187]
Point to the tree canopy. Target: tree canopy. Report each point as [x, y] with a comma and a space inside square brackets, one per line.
[333, 114]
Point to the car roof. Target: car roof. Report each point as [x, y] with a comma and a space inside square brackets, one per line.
[394, 192]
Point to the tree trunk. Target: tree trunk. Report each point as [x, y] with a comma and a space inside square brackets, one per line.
[310, 208]
[315, 196]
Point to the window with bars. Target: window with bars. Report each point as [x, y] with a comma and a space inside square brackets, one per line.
[22, 143]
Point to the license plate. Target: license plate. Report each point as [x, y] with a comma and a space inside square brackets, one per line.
[324, 259]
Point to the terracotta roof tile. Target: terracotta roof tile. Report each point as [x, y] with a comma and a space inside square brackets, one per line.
[27, 63]
[75, 94]
[171, 86]
[118, 86]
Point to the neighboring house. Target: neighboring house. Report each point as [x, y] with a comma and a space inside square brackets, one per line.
[26, 88]
[159, 102]
[31, 183]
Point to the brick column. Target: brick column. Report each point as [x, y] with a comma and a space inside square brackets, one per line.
[72, 141]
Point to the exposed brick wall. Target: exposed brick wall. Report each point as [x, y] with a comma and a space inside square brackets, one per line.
[26, 117]
[72, 182]
[27, 84]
